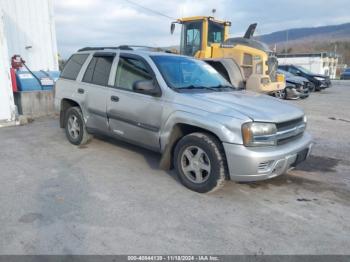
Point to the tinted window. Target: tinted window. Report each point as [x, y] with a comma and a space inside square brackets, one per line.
[293, 70]
[191, 38]
[129, 71]
[98, 70]
[187, 73]
[215, 33]
[90, 70]
[73, 66]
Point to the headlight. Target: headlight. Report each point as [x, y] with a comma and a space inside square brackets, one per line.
[280, 77]
[320, 78]
[305, 120]
[291, 85]
[259, 134]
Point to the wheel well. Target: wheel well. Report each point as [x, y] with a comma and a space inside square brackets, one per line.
[65, 105]
[179, 130]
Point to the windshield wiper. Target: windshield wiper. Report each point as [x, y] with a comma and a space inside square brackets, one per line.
[199, 87]
[220, 87]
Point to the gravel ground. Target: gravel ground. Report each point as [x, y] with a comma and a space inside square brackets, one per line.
[111, 198]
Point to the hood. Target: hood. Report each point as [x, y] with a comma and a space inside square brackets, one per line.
[302, 79]
[295, 80]
[256, 106]
[322, 76]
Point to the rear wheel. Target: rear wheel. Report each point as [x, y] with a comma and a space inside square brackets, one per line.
[75, 127]
[200, 162]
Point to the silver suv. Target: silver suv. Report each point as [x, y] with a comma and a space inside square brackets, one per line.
[206, 129]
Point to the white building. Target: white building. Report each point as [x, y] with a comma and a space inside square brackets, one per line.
[318, 63]
[27, 28]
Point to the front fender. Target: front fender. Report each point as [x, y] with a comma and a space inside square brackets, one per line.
[227, 129]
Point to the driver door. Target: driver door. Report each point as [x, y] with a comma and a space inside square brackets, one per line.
[133, 116]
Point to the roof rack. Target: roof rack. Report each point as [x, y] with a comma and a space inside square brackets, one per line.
[122, 47]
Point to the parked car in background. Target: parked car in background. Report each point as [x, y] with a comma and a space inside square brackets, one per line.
[290, 78]
[181, 107]
[345, 75]
[296, 86]
[320, 81]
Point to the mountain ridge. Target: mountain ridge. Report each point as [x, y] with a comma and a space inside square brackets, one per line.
[341, 31]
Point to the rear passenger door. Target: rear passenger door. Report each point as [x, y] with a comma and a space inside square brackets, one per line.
[133, 116]
[69, 81]
[94, 84]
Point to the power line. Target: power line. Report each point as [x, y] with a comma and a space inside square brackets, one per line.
[150, 10]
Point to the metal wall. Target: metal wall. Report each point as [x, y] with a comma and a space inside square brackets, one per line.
[317, 65]
[7, 107]
[30, 32]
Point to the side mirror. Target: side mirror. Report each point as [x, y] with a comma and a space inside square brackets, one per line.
[172, 28]
[298, 73]
[146, 87]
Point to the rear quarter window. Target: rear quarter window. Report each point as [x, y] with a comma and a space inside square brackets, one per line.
[98, 70]
[73, 66]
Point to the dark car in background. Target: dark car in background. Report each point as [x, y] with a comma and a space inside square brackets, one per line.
[320, 81]
[345, 75]
[296, 86]
[290, 78]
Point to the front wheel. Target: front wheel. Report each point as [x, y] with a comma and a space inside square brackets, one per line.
[281, 94]
[200, 162]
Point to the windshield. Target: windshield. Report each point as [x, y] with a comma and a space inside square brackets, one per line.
[188, 73]
[286, 73]
[304, 70]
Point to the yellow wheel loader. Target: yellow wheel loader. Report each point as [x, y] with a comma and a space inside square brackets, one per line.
[243, 61]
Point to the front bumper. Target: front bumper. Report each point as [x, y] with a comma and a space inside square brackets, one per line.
[273, 87]
[260, 163]
[324, 85]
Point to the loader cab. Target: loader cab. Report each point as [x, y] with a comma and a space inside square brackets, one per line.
[191, 37]
[198, 34]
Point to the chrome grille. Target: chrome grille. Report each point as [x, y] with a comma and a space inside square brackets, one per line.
[290, 130]
[289, 124]
[272, 65]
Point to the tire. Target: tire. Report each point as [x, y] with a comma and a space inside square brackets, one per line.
[284, 94]
[200, 162]
[75, 127]
[317, 88]
[281, 94]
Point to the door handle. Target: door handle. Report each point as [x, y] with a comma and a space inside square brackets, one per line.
[81, 91]
[114, 98]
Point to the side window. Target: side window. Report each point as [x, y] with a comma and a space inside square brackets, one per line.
[129, 71]
[215, 32]
[90, 71]
[293, 70]
[73, 66]
[98, 70]
[191, 38]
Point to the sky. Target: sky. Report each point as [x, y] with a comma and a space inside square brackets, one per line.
[81, 23]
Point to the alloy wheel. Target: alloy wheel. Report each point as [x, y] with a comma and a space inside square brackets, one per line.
[195, 164]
